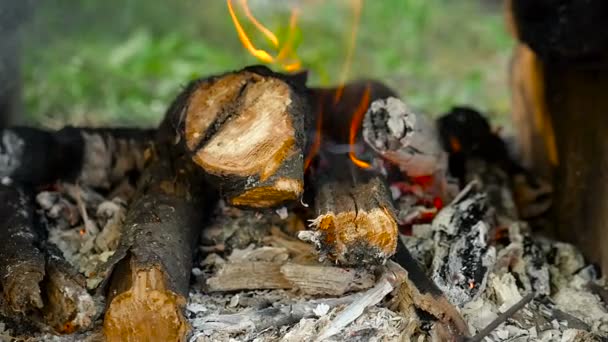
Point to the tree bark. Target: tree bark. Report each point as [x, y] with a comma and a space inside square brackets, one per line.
[148, 276]
[22, 263]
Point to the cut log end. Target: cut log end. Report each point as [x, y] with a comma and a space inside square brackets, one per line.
[356, 224]
[147, 311]
[352, 237]
[246, 130]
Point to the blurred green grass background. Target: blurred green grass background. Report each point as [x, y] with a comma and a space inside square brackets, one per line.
[96, 62]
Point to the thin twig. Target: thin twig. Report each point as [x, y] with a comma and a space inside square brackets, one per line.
[503, 317]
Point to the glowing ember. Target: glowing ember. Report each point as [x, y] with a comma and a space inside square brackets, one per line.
[355, 125]
[286, 57]
[357, 5]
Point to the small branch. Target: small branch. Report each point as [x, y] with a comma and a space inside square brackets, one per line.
[503, 317]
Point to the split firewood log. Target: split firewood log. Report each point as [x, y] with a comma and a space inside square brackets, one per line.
[22, 263]
[93, 156]
[36, 280]
[147, 279]
[246, 130]
[355, 222]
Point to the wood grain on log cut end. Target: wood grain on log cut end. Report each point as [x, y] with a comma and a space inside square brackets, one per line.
[249, 114]
[246, 131]
[356, 224]
[147, 311]
[283, 190]
[362, 232]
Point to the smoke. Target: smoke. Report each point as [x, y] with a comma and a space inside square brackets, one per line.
[13, 15]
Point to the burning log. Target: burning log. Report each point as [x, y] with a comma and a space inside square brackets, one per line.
[355, 223]
[150, 271]
[96, 157]
[246, 130]
[22, 265]
[339, 105]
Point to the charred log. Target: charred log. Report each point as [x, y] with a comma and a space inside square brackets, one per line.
[150, 271]
[337, 106]
[22, 265]
[96, 157]
[246, 130]
[463, 254]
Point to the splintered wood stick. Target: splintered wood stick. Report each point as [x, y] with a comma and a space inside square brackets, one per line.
[96, 157]
[308, 279]
[355, 223]
[147, 279]
[36, 282]
[21, 262]
[246, 130]
[68, 306]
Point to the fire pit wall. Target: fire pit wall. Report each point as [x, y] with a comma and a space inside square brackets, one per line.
[559, 77]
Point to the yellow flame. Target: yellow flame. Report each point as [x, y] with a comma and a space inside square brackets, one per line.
[258, 53]
[357, 6]
[265, 31]
[286, 58]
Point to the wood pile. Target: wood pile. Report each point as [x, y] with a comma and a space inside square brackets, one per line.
[256, 212]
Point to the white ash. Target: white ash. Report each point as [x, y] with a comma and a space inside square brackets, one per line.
[462, 253]
[408, 139]
[84, 225]
[11, 151]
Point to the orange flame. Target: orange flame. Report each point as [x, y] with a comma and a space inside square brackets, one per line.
[286, 58]
[316, 144]
[357, 6]
[356, 124]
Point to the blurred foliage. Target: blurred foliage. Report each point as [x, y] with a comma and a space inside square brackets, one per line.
[98, 62]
